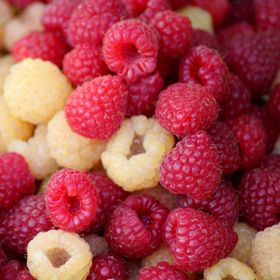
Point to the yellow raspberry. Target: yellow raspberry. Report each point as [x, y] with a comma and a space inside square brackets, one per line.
[70, 149]
[246, 234]
[58, 255]
[6, 63]
[36, 153]
[133, 155]
[97, 244]
[229, 268]
[35, 90]
[162, 254]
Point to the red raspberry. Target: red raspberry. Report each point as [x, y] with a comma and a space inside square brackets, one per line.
[192, 167]
[135, 227]
[130, 49]
[16, 180]
[108, 266]
[97, 108]
[250, 135]
[202, 37]
[259, 196]
[224, 139]
[274, 102]
[161, 271]
[109, 195]
[271, 161]
[23, 222]
[24, 275]
[71, 200]
[11, 270]
[84, 63]
[174, 31]
[3, 257]
[241, 10]
[142, 95]
[183, 109]
[222, 204]
[177, 4]
[196, 239]
[204, 66]
[91, 19]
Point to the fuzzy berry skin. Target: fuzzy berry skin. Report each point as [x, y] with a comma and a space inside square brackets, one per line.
[204, 66]
[174, 31]
[271, 161]
[192, 167]
[259, 197]
[109, 195]
[250, 134]
[183, 109]
[135, 227]
[274, 102]
[142, 95]
[84, 63]
[202, 37]
[161, 271]
[130, 49]
[108, 266]
[196, 239]
[97, 108]
[23, 222]
[71, 200]
[224, 139]
[222, 204]
[16, 180]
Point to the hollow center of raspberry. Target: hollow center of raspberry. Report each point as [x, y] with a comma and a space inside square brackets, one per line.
[74, 204]
[58, 256]
[144, 218]
[130, 52]
[136, 147]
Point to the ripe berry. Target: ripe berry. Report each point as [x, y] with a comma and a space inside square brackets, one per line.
[97, 244]
[10, 270]
[3, 257]
[271, 161]
[24, 275]
[241, 11]
[274, 102]
[202, 37]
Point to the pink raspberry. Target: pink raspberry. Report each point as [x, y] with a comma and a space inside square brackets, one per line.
[142, 95]
[271, 161]
[11, 270]
[204, 66]
[135, 227]
[47, 45]
[130, 49]
[84, 63]
[192, 167]
[241, 11]
[183, 109]
[71, 200]
[202, 37]
[222, 204]
[97, 108]
[174, 31]
[196, 239]
[16, 180]
[274, 102]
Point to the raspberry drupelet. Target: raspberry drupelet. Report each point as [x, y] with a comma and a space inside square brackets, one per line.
[271, 161]
[202, 37]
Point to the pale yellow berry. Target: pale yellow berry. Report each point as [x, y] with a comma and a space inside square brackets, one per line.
[35, 90]
[162, 254]
[36, 153]
[6, 14]
[44, 184]
[6, 63]
[70, 149]
[58, 255]
[133, 155]
[97, 244]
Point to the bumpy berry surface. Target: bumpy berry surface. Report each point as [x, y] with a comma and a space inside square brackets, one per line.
[97, 244]
[271, 161]
[274, 102]
[24, 275]
[10, 270]
[241, 11]
[192, 167]
[162, 254]
[135, 227]
[202, 37]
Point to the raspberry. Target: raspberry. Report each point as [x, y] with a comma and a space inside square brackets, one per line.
[24, 275]
[91, 19]
[250, 135]
[135, 227]
[162, 254]
[130, 49]
[97, 108]
[11, 270]
[271, 161]
[174, 31]
[35, 90]
[201, 37]
[109, 195]
[108, 266]
[142, 94]
[161, 271]
[22, 222]
[259, 197]
[183, 109]
[196, 239]
[57, 254]
[3, 257]
[134, 267]
[222, 204]
[71, 200]
[241, 11]
[84, 63]
[97, 244]
[192, 167]
[6, 62]
[204, 66]
[274, 102]
[16, 180]
[133, 155]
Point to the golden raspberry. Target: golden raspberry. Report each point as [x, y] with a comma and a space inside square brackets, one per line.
[133, 155]
[246, 234]
[35, 90]
[162, 254]
[97, 244]
[36, 153]
[58, 255]
[70, 149]
[6, 63]
[229, 268]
